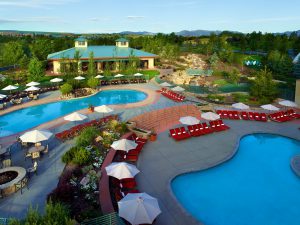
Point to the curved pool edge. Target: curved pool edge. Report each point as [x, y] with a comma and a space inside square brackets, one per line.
[227, 158]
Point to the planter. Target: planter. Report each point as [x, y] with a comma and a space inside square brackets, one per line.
[153, 137]
[91, 109]
[142, 133]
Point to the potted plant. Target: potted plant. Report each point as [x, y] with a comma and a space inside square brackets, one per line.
[91, 108]
[153, 136]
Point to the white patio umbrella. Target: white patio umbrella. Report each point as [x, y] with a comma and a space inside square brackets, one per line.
[35, 136]
[124, 145]
[56, 80]
[79, 78]
[32, 83]
[210, 116]
[269, 107]
[99, 76]
[32, 88]
[103, 109]
[75, 117]
[2, 96]
[240, 105]
[138, 74]
[189, 120]
[10, 87]
[165, 84]
[177, 88]
[287, 103]
[139, 208]
[121, 170]
[119, 75]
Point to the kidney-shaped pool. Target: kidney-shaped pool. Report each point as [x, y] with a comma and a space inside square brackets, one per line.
[256, 187]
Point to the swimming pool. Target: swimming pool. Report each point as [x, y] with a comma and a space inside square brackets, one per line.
[27, 118]
[255, 187]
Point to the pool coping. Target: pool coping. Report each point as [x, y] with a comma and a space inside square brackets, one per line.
[184, 211]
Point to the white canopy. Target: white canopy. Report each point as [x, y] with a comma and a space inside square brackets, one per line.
[79, 78]
[124, 145]
[2, 96]
[121, 170]
[119, 75]
[55, 80]
[177, 88]
[269, 107]
[10, 87]
[35, 136]
[32, 83]
[210, 116]
[103, 109]
[138, 74]
[99, 76]
[288, 103]
[75, 117]
[189, 120]
[165, 84]
[32, 88]
[139, 208]
[240, 105]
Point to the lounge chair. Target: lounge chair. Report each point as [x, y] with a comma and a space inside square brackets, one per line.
[207, 129]
[244, 116]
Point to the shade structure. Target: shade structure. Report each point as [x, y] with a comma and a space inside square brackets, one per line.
[165, 84]
[79, 78]
[189, 120]
[32, 83]
[119, 75]
[124, 145]
[2, 96]
[103, 109]
[75, 117]
[210, 116]
[99, 76]
[240, 105]
[138, 74]
[10, 87]
[177, 88]
[32, 88]
[35, 136]
[269, 107]
[139, 208]
[56, 80]
[287, 103]
[121, 170]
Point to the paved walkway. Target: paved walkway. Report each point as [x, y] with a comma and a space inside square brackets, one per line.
[163, 160]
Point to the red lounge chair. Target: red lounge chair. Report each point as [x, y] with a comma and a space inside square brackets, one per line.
[236, 115]
[207, 129]
[251, 116]
[216, 126]
[191, 130]
[293, 114]
[263, 117]
[200, 129]
[131, 158]
[225, 114]
[223, 125]
[244, 116]
[230, 115]
[220, 113]
[128, 185]
[185, 134]
[256, 116]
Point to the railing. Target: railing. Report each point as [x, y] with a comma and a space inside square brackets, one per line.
[109, 219]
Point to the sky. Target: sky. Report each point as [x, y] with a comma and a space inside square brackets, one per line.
[110, 16]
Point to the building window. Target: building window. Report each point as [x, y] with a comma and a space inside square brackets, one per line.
[123, 43]
[81, 42]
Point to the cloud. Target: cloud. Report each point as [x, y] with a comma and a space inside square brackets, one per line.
[135, 17]
[33, 20]
[34, 3]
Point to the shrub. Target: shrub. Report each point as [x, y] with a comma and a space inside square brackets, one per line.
[87, 136]
[66, 88]
[82, 156]
[93, 82]
[69, 155]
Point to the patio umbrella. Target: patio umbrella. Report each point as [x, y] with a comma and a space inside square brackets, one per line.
[189, 120]
[99, 76]
[10, 87]
[119, 75]
[269, 107]
[240, 105]
[75, 117]
[287, 103]
[32, 83]
[165, 84]
[32, 88]
[56, 80]
[139, 208]
[124, 145]
[79, 78]
[121, 170]
[103, 109]
[35, 136]
[177, 88]
[2, 96]
[210, 116]
[138, 74]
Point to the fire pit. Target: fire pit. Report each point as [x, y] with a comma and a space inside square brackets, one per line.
[9, 177]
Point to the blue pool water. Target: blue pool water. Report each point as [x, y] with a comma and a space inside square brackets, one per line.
[27, 118]
[255, 187]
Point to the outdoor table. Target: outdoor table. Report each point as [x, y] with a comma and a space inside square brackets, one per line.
[36, 149]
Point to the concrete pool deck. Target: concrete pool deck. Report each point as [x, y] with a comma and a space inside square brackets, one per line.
[163, 160]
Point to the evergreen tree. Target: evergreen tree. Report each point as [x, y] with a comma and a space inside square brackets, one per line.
[91, 66]
[35, 69]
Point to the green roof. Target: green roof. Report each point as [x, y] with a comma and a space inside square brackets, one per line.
[100, 52]
[122, 40]
[80, 39]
